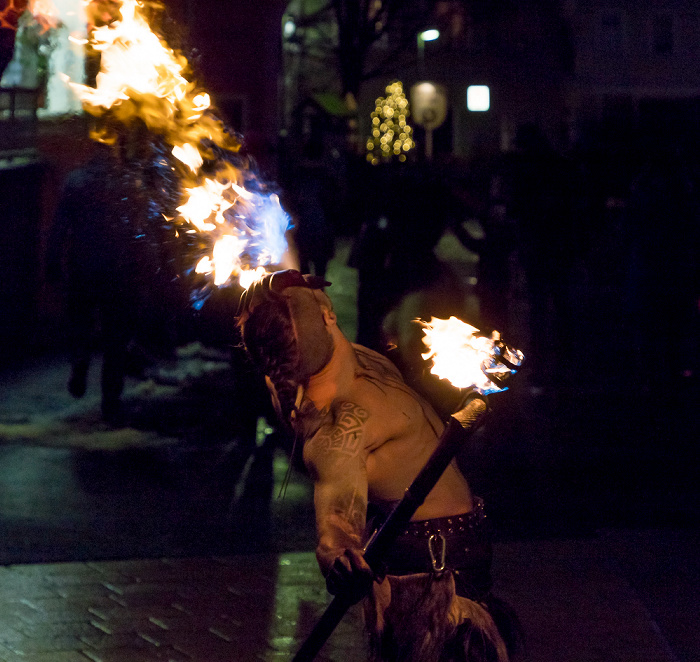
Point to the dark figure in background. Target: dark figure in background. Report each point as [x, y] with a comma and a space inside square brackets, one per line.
[91, 249]
[539, 182]
[313, 236]
[406, 213]
[364, 435]
[495, 250]
[7, 46]
[371, 255]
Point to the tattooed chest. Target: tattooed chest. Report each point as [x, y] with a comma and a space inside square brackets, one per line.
[348, 432]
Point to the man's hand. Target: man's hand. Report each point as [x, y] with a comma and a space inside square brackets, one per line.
[350, 576]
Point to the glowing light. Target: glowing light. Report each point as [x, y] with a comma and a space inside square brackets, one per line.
[462, 357]
[430, 35]
[189, 155]
[478, 98]
[390, 113]
[226, 257]
[290, 27]
[249, 276]
[203, 202]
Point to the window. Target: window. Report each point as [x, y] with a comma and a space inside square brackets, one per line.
[478, 98]
[43, 53]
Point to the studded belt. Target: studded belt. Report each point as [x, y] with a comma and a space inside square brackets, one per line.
[447, 526]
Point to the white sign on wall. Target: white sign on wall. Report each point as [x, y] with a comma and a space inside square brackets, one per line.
[428, 105]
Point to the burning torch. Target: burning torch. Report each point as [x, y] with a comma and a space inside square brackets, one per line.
[478, 366]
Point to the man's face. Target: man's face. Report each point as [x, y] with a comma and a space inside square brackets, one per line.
[313, 318]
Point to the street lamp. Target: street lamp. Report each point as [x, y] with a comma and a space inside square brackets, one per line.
[429, 109]
[426, 35]
[429, 35]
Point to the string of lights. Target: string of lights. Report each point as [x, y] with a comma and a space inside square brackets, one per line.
[392, 136]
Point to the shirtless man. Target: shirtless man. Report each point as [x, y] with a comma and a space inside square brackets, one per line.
[365, 437]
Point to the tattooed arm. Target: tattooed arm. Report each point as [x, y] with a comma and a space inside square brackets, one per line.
[336, 457]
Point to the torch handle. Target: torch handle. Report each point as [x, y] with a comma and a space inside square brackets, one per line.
[323, 629]
[459, 428]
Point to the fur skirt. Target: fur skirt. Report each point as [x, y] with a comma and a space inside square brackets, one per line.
[420, 618]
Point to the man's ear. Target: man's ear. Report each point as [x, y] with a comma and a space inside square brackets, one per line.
[329, 317]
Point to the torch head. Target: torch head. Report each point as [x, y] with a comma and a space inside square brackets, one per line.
[467, 360]
[503, 363]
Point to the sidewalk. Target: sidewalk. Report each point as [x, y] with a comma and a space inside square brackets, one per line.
[573, 605]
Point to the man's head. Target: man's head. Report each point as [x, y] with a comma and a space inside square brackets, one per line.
[287, 325]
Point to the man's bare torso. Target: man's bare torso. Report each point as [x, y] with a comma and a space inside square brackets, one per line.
[396, 431]
[403, 432]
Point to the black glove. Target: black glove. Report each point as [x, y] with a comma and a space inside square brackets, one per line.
[350, 577]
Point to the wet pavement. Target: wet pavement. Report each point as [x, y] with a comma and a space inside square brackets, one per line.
[167, 540]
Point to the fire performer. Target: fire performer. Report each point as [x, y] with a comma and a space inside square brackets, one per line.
[364, 437]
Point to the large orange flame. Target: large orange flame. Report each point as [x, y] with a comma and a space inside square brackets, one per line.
[142, 77]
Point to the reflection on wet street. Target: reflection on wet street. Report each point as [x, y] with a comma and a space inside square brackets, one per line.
[188, 475]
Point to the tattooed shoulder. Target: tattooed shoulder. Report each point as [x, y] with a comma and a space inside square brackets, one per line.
[308, 420]
[372, 362]
[345, 434]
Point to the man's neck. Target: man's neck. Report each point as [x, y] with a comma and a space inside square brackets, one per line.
[336, 376]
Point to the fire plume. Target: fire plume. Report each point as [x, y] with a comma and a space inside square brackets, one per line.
[242, 226]
[465, 359]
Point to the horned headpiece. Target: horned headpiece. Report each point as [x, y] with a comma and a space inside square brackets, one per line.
[275, 283]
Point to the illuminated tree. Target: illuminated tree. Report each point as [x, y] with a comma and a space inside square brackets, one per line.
[391, 136]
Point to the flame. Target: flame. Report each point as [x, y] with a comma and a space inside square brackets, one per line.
[249, 277]
[189, 155]
[463, 358]
[142, 77]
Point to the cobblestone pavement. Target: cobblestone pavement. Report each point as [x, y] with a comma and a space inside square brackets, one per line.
[574, 607]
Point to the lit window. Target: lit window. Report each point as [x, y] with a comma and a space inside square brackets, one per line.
[478, 98]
